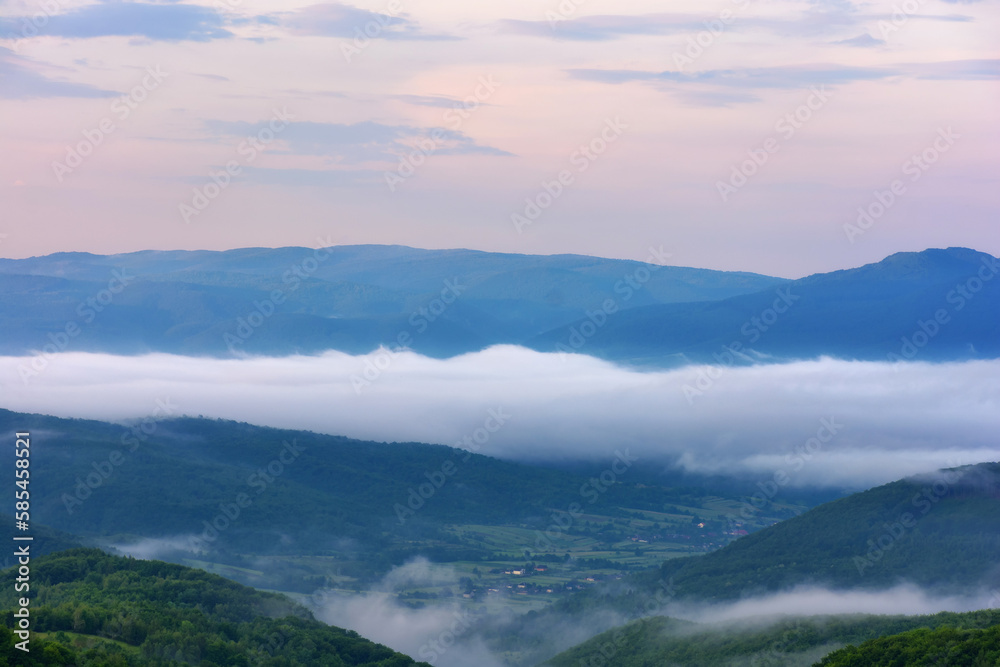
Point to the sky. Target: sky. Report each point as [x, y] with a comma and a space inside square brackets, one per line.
[746, 134]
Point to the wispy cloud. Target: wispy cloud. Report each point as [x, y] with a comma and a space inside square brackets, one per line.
[905, 599]
[958, 70]
[863, 40]
[166, 22]
[783, 77]
[609, 27]
[356, 143]
[20, 79]
[335, 19]
[893, 420]
[821, 18]
[716, 86]
[324, 178]
[437, 101]
[600, 28]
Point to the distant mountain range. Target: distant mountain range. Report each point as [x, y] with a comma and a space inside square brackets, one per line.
[353, 298]
[932, 305]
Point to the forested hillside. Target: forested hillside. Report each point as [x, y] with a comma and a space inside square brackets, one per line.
[789, 642]
[909, 530]
[923, 648]
[90, 608]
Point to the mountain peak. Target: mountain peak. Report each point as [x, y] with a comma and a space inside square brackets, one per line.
[931, 266]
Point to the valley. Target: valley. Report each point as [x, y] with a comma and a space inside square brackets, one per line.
[590, 513]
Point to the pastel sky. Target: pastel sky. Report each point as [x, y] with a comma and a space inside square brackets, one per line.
[735, 134]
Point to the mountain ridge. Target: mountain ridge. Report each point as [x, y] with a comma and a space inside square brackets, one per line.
[443, 303]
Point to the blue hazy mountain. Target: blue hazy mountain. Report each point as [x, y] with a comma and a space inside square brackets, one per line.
[932, 305]
[350, 298]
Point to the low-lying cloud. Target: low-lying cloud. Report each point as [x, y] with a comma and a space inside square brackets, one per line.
[825, 422]
[905, 599]
[443, 632]
[447, 634]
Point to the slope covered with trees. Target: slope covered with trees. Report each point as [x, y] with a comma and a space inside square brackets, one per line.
[295, 492]
[791, 642]
[971, 647]
[939, 531]
[90, 608]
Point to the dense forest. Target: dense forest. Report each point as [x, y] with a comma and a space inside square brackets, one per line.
[788, 642]
[909, 530]
[90, 608]
[923, 648]
[307, 493]
[822, 546]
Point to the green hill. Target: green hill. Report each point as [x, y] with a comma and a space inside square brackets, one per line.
[923, 648]
[90, 608]
[233, 492]
[789, 642]
[938, 531]
[951, 548]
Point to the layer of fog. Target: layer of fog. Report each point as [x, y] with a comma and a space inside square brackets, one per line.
[822, 422]
[905, 599]
[445, 635]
